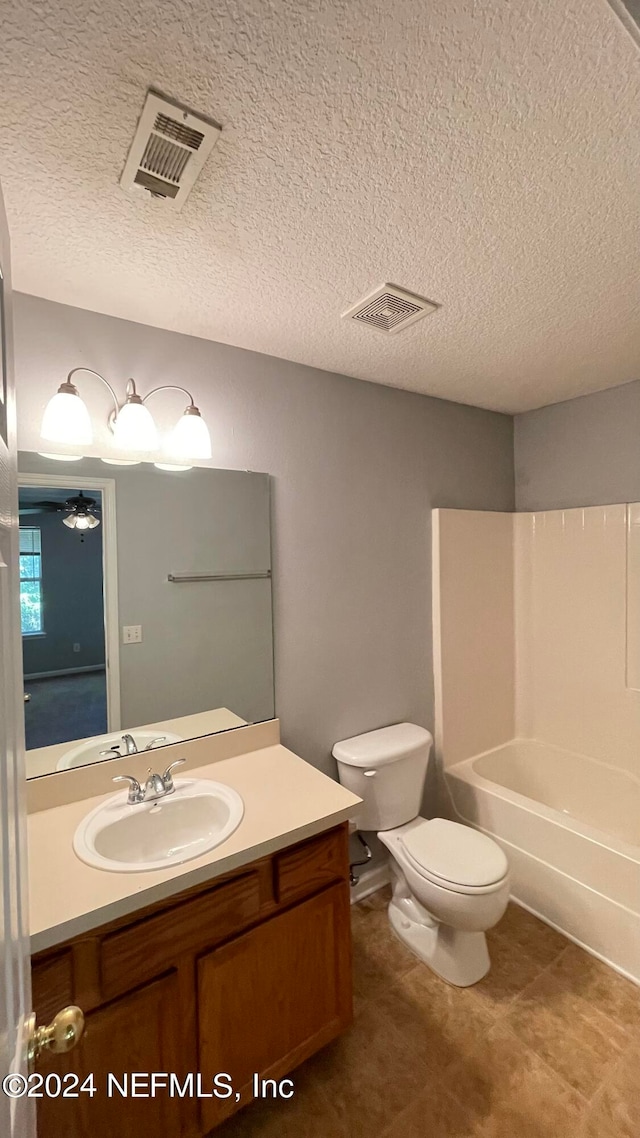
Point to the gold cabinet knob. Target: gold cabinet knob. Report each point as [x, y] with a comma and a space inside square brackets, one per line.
[62, 1034]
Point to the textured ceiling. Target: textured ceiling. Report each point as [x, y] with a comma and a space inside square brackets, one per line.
[483, 154]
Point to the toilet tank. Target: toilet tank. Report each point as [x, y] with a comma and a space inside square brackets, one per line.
[386, 769]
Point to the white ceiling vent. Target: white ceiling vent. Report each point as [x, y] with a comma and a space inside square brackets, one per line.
[390, 309]
[169, 149]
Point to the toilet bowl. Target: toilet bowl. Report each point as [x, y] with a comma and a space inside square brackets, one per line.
[444, 920]
[450, 882]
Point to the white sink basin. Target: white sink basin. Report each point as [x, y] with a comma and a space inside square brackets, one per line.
[89, 751]
[198, 816]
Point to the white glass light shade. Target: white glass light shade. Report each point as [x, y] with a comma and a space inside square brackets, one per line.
[121, 461]
[173, 466]
[66, 419]
[81, 521]
[190, 437]
[61, 457]
[134, 428]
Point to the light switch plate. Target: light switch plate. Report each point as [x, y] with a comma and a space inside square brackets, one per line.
[131, 633]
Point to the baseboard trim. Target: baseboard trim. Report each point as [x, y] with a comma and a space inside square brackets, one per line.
[369, 882]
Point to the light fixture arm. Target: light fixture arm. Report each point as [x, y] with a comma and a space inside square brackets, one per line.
[170, 387]
[90, 371]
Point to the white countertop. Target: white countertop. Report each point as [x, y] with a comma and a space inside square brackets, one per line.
[285, 799]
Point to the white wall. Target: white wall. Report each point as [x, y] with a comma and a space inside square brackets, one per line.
[357, 468]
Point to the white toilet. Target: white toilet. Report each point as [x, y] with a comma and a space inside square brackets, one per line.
[450, 883]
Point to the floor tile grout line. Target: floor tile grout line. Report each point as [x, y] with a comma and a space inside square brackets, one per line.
[541, 973]
[408, 1106]
[589, 1003]
[588, 1101]
[563, 952]
[541, 1059]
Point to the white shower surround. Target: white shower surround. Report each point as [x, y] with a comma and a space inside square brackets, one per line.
[538, 722]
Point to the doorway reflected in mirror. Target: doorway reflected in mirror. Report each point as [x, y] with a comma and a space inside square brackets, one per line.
[62, 615]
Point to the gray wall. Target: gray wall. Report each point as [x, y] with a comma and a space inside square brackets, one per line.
[356, 471]
[203, 645]
[72, 598]
[584, 452]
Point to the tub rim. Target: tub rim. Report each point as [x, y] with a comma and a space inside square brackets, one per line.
[464, 770]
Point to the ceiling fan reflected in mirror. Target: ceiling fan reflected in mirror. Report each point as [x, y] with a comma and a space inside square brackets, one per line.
[81, 511]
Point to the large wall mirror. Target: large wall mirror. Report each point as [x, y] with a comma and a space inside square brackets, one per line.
[145, 602]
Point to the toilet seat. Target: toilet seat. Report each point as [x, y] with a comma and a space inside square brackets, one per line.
[454, 857]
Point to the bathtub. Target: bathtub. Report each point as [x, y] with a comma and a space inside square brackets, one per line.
[570, 827]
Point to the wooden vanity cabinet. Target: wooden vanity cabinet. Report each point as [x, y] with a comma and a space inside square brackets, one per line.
[250, 973]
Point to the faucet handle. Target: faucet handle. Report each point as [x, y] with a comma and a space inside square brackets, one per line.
[154, 742]
[167, 777]
[136, 793]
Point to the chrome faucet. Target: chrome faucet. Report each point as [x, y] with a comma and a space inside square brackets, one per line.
[129, 744]
[156, 786]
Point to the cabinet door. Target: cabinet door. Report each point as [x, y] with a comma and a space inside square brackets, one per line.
[138, 1032]
[272, 997]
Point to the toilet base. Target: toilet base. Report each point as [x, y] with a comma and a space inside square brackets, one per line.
[460, 958]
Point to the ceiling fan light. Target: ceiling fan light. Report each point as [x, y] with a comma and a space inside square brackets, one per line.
[66, 419]
[70, 521]
[190, 438]
[134, 428]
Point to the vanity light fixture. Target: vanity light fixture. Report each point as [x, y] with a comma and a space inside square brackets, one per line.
[66, 420]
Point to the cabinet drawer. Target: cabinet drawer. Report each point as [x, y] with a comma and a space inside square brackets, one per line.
[312, 865]
[146, 949]
[52, 984]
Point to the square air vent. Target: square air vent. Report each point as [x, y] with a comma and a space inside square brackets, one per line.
[390, 309]
[169, 149]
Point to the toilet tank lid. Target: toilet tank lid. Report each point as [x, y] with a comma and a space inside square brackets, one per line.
[376, 748]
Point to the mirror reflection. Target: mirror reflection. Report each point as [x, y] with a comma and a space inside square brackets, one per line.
[145, 604]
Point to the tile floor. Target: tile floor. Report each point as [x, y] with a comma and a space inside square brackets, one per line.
[546, 1046]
